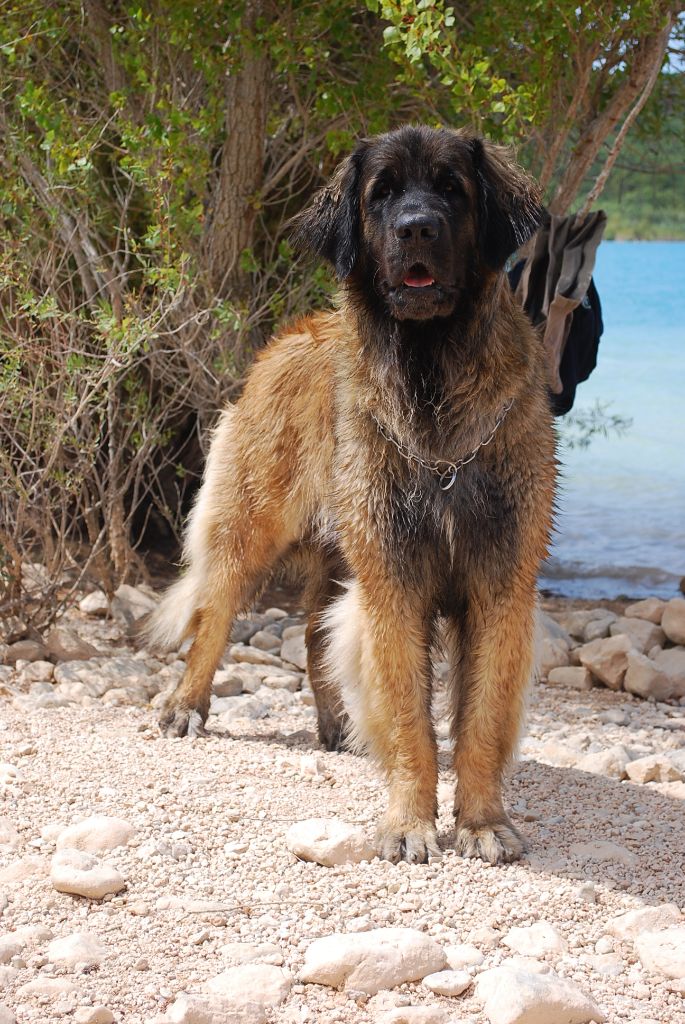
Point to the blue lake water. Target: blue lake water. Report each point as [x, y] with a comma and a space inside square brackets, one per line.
[621, 526]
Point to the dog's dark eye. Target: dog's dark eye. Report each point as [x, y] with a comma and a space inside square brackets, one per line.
[449, 186]
[382, 189]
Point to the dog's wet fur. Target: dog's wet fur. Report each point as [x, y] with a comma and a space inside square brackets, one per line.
[428, 348]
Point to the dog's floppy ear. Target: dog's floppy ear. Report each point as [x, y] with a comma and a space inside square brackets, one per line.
[329, 226]
[510, 204]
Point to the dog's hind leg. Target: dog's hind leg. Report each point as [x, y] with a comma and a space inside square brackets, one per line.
[492, 653]
[324, 588]
[237, 572]
[185, 712]
[237, 531]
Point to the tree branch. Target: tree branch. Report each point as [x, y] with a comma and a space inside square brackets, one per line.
[601, 180]
[648, 52]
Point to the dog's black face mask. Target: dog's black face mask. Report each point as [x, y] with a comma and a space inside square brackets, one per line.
[412, 217]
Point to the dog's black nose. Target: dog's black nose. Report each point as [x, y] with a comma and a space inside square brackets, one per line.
[417, 227]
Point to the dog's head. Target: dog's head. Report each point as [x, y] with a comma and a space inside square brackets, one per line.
[417, 214]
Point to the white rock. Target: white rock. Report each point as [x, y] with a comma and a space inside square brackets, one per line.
[672, 662]
[240, 707]
[32, 934]
[414, 1015]
[65, 645]
[47, 988]
[663, 951]
[607, 659]
[275, 614]
[10, 947]
[558, 754]
[96, 834]
[536, 940]
[604, 944]
[9, 837]
[293, 649]
[251, 989]
[122, 696]
[514, 996]
[485, 936]
[328, 841]
[576, 621]
[551, 653]
[251, 953]
[603, 849]
[599, 626]
[244, 654]
[312, 764]
[528, 964]
[651, 609]
[10, 776]
[673, 620]
[77, 948]
[373, 960]
[37, 672]
[77, 872]
[611, 762]
[644, 919]
[575, 676]
[93, 1015]
[551, 628]
[130, 604]
[642, 635]
[448, 983]
[95, 604]
[195, 1009]
[27, 867]
[228, 682]
[289, 682]
[605, 963]
[463, 955]
[265, 641]
[653, 768]
[6, 1015]
[644, 678]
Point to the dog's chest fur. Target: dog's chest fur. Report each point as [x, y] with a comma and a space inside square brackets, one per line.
[384, 498]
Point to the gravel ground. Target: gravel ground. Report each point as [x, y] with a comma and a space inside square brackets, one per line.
[207, 863]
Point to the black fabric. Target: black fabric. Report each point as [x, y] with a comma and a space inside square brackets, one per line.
[580, 354]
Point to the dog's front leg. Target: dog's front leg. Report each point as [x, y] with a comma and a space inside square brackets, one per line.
[393, 716]
[492, 654]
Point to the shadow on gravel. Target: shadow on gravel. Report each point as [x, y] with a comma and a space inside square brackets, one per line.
[591, 828]
[587, 827]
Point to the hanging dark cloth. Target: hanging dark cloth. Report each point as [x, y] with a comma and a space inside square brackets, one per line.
[555, 287]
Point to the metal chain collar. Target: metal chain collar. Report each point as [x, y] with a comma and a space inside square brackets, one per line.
[445, 470]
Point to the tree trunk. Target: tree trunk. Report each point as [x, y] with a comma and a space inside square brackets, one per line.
[648, 53]
[233, 212]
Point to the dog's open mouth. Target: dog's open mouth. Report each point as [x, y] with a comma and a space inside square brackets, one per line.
[418, 277]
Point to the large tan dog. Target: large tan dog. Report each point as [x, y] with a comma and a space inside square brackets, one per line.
[404, 444]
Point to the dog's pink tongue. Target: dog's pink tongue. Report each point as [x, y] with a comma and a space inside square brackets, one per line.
[413, 280]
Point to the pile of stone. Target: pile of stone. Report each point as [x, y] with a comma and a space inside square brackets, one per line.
[92, 657]
[641, 651]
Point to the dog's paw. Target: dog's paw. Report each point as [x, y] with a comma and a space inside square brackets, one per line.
[180, 721]
[333, 731]
[498, 843]
[414, 843]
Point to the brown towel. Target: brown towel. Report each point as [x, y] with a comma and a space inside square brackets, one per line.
[556, 278]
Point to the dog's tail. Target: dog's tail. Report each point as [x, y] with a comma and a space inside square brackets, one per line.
[176, 617]
[344, 623]
[173, 620]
